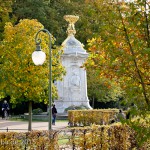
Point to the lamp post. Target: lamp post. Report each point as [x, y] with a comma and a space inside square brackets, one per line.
[38, 57]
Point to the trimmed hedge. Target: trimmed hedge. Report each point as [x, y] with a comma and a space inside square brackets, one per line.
[88, 117]
[35, 140]
[95, 137]
[105, 137]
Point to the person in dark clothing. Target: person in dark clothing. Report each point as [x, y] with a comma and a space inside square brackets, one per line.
[5, 106]
[131, 109]
[54, 112]
[121, 116]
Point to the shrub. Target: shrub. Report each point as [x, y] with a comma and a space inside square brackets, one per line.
[29, 140]
[37, 111]
[73, 107]
[95, 116]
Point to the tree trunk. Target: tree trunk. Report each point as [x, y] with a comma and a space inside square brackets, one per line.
[30, 116]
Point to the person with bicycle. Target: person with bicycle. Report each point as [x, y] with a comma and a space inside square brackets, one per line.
[5, 109]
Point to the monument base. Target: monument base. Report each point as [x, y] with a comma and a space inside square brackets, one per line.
[63, 105]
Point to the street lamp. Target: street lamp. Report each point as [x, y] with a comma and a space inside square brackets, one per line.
[38, 57]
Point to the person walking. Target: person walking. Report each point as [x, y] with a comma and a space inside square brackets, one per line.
[54, 112]
[5, 107]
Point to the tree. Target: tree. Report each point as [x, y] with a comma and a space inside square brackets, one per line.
[122, 52]
[20, 78]
[5, 15]
[50, 14]
[101, 89]
[23, 77]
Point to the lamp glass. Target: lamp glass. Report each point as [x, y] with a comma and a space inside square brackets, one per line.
[38, 57]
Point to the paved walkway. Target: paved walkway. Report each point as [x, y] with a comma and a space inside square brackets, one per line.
[22, 126]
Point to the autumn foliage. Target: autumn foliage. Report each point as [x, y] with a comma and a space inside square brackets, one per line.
[121, 51]
[21, 79]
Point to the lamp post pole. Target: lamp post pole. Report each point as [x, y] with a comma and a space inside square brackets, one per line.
[38, 58]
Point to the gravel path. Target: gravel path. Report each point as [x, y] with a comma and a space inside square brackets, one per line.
[21, 126]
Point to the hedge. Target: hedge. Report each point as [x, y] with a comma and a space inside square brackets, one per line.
[88, 117]
[35, 140]
[95, 137]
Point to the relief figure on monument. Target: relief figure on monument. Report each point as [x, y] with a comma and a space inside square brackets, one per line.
[75, 80]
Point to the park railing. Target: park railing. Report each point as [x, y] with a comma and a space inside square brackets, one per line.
[95, 137]
[11, 129]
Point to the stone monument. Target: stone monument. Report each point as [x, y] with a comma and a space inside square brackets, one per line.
[72, 91]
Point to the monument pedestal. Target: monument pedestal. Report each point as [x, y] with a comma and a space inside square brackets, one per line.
[62, 105]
